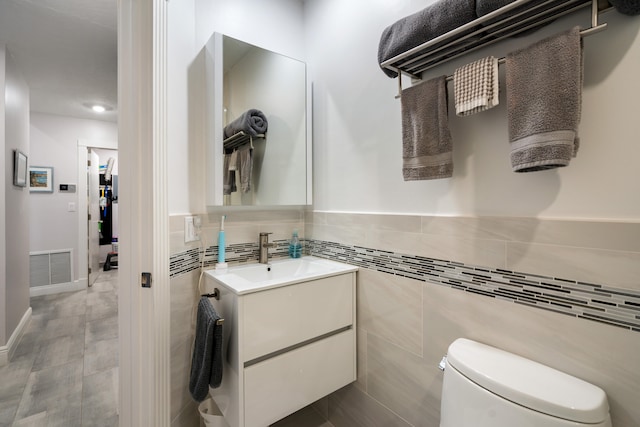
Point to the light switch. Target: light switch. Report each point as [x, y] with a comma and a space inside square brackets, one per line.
[71, 207]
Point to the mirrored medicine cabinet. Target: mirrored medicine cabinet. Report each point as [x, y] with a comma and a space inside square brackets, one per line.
[242, 77]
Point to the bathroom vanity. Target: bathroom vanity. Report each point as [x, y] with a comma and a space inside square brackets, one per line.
[289, 336]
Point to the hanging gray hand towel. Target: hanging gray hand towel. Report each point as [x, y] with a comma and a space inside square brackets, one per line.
[206, 361]
[426, 139]
[544, 100]
[422, 26]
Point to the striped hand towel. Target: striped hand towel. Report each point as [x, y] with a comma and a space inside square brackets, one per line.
[476, 86]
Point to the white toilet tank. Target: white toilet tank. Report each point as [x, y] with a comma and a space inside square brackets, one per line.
[487, 387]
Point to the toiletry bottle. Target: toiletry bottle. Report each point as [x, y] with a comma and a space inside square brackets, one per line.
[295, 248]
[221, 246]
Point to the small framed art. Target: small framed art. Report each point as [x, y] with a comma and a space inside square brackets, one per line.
[41, 179]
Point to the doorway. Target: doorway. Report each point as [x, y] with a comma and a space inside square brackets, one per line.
[92, 251]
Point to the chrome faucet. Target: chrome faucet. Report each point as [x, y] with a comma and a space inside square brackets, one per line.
[264, 248]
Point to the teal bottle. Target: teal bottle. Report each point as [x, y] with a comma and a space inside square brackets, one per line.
[295, 248]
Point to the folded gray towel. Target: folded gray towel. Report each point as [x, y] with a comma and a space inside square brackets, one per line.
[628, 7]
[252, 122]
[206, 361]
[544, 99]
[420, 27]
[426, 139]
[484, 7]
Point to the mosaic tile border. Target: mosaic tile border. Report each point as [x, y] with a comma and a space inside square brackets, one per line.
[190, 260]
[613, 306]
[600, 303]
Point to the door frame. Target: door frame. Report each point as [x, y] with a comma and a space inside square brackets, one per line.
[143, 217]
[83, 226]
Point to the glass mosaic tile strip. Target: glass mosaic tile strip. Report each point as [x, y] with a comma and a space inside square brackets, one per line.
[595, 302]
[605, 304]
[184, 262]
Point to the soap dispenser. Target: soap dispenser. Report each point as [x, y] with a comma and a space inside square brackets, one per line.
[295, 248]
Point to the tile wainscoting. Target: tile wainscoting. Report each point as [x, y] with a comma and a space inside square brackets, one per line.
[613, 306]
[242, 229]
[428, 280]
[441, 278]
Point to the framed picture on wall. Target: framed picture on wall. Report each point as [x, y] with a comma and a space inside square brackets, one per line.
[41, 179]
[19, 168]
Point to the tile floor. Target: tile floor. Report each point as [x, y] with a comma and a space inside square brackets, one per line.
[64, 372]
[65, 369]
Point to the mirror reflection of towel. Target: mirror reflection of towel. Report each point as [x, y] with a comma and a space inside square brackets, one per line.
[229, 174]
[238, 162]
[252, 122]
[245, 167]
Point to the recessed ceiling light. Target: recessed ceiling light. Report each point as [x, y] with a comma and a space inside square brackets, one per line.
[97, 107]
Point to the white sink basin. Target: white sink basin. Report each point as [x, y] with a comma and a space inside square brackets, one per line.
[255, 277]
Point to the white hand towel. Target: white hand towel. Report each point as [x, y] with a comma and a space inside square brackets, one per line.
[476, 86]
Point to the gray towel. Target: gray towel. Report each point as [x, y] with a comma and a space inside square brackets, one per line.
[245, 167]
[426, 140]
[628, 7]
[484, 7]
[251, 122]
[239, 161]
[206, 361]
[544, 99]
[420, 27]
[229, 168]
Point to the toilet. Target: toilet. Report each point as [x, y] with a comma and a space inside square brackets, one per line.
[487, 387]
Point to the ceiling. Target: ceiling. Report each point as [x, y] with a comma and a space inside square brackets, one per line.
[67, 52]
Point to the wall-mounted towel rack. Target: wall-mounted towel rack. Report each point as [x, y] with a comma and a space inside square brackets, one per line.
[239, 139]
[490, 29]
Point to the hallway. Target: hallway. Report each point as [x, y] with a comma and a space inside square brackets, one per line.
[65, 369]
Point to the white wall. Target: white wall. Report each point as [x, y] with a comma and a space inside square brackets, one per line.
[54, 142]
[3, 234]
[191, 23]
[14, 290]
[357, 133]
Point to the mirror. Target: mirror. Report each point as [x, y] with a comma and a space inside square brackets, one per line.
[248, 82]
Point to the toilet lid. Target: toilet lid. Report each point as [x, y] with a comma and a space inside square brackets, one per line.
[529, 383]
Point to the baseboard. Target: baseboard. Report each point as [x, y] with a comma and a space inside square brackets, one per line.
[77, 285]
[6, 351]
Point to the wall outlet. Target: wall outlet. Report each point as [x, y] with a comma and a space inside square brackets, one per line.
[190, 234]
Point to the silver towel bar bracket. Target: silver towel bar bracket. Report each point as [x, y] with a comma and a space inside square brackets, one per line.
[486, 30]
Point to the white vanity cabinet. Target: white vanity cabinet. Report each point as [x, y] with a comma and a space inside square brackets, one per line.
[286, 346]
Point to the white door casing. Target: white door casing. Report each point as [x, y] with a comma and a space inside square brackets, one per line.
[143, 313]
[82, 202]
[93, 211]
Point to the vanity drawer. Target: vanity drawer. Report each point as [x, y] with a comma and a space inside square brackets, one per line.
[279, 318]
[286, 383]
